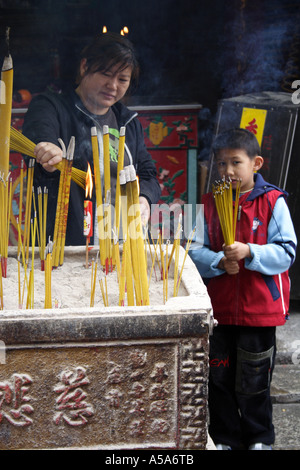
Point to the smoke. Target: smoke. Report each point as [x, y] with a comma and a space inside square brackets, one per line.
[255, 46]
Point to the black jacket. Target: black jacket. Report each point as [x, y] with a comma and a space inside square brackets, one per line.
[51, 116]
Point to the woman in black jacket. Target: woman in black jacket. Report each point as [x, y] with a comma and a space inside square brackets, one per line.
[107, 69]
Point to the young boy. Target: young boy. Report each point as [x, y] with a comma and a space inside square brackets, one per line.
[249, 288]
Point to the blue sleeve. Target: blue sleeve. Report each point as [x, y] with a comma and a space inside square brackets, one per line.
[279, 253]
[204, 258]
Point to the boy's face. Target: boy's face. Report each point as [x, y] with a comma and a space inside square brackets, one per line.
[237, 165]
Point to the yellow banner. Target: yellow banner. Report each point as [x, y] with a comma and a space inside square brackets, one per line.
[254, 121]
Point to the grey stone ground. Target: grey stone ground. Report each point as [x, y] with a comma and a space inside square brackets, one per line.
[286, 384]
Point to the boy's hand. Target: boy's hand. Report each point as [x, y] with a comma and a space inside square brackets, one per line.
[237, 251]
[231, 267]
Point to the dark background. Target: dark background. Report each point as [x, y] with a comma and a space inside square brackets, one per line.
[190, 51]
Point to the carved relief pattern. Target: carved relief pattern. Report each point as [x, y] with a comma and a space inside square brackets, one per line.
[71, 405]
[14, 401]
[136, 389]
[193, 393]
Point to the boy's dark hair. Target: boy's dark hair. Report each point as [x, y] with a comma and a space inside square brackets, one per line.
[108, 50]
[237, 138]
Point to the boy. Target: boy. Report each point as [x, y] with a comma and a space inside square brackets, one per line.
[249, 288]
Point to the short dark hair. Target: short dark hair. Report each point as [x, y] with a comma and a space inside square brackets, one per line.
[107, 50]
[237, 138]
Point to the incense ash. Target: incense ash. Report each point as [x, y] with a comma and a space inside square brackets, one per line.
[71, 284]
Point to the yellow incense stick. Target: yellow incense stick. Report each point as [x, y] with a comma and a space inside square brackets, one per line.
[185, 255]
[99, 198]
[133, 239]
[107, 194]
[1, 289]
[21, 201]
[20, 143]
[5, 113]
[119, 168]
[139, 236]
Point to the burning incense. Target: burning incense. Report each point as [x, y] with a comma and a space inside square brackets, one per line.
[88, 213]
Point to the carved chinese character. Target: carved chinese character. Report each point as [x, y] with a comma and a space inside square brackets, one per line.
[158, 392]
[138, 407]
[160, 426]
[114, 397]
[138, 359]
[137, 390]
[136, 427]
[159, 373]
[71, 405]
[115, 375]
[13, 396]
[158, 406]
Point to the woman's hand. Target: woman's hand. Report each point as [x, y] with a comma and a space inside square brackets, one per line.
[145, 210]
[48, 155]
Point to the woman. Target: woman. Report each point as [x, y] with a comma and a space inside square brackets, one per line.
[107, 69]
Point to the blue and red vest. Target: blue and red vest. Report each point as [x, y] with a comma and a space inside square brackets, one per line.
[248, 298]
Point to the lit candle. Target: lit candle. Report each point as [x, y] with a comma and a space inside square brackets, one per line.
[88, 212]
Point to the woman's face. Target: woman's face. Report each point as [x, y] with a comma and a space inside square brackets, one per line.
[100, 90]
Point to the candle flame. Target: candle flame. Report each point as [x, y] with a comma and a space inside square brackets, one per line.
[104, 29]
[89, 183]
[124, 31]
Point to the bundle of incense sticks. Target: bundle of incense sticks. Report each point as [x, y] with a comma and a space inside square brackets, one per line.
[134, 240]
[20, 143]
[62, 207]
[106, 232]
[223, 195]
